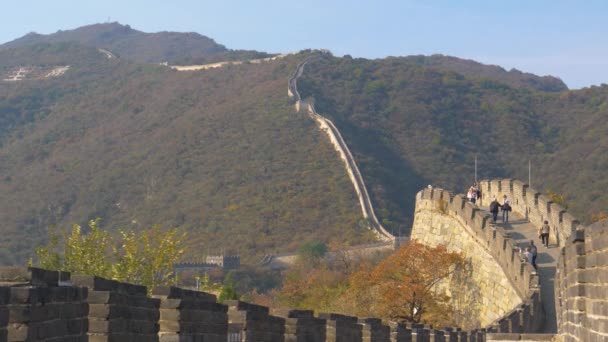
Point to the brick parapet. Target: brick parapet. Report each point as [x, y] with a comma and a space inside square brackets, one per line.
[581, 284]
[190, 315]
[119, 311]
[34, 307]
[255, 322]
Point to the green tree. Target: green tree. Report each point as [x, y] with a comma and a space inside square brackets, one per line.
[144, 258]
[311, 252]
[82, 253]
[227, 292]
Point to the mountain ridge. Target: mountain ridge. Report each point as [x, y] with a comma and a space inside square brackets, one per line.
[138, 46]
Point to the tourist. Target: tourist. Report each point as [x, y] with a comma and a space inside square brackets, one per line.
[543, 233]
[534, 252]
[471, 195]
[494, 205]
[477, 192]
[528, 256]
[506, 207]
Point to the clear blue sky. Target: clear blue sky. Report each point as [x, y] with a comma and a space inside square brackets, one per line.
[567, 39]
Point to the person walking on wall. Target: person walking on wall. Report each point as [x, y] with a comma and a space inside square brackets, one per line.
[527, 254]
[471, 195]
[543, 233]
[534, 252]
[494, 205]
[506, 207]
[477, 192]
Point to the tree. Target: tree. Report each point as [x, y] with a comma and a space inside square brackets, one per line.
[311, 252]
[561, 199]
[82, 253]
[144, 258]
[405, 285]
[148, 258]
[598, 216]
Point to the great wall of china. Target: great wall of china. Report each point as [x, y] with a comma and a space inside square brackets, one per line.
[327, 126]
[515, 303]
[37, 304]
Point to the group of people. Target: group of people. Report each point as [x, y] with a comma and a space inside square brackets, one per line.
[505, 207]
[530, 253]
[474, 193]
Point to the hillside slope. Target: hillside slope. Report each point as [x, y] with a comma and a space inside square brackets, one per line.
[220, 153]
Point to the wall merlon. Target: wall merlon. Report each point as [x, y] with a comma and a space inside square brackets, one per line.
[101, 284]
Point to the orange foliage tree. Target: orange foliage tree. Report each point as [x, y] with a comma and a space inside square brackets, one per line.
[405, 286]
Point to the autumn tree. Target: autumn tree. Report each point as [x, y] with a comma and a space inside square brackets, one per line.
[598, 216]
[402, 287]
[405, 285]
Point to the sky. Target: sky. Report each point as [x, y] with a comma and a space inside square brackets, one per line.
[566, 39]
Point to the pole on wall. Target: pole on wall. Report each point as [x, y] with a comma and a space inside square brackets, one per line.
[529, 173]
[475, 168]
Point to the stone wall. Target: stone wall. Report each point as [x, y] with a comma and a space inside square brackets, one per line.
[532, 205]
[581, 285]
[499, 290]
[36, 306]
[335, 138]
[33, 307]
[190, 316]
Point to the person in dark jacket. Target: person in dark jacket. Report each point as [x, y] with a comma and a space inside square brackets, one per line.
[494, 205]
[534, 252]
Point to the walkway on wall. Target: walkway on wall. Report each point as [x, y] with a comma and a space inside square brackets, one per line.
[522, 231]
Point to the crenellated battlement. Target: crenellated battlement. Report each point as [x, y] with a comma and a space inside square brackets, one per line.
[442, 217]
[34, 305]
[532, 205]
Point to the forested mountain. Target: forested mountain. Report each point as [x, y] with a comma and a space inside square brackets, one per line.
[413, 124]
[222, 153]
[475, 70]
[142, 47]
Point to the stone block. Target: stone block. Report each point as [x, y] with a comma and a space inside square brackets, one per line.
[179, 293]
[23, 295]
[102, 284]
[244, 306]
[293, 313]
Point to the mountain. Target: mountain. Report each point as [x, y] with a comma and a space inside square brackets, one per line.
[476, 70]
[413, 124]
[137, 46]
[220, 153]
[86, 132]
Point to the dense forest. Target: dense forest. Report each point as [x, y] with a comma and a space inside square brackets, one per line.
[223, 155]
[219, 153]
[411, 124]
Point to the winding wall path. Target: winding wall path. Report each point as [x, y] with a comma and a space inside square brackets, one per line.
[339, 144]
